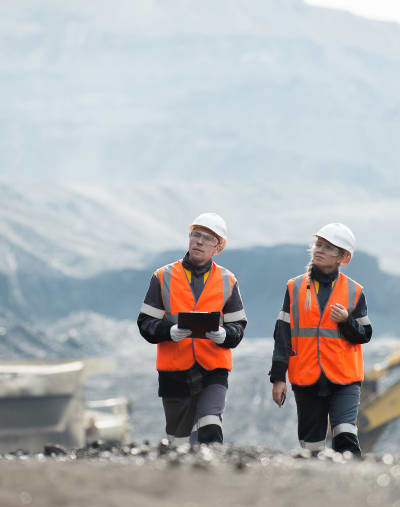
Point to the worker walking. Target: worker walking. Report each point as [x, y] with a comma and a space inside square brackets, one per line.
[318, 337]
[193, 372]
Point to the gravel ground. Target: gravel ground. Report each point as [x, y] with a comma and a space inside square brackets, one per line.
[217, 475]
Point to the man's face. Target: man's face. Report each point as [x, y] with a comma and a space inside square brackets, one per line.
[203, 244]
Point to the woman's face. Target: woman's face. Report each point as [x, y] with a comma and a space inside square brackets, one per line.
[325, 256]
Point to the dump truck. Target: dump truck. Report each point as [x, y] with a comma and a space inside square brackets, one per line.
[42, 402]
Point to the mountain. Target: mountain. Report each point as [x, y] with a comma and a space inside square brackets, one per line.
[83, 230]
[65, 250]
[262, 273]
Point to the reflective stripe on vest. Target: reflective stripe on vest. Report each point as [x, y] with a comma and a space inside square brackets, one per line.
[178, 297]
[316, 339]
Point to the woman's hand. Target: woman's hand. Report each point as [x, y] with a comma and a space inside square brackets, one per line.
[279, 392]
[339, 313]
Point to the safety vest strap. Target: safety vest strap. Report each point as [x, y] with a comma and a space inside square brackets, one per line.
[165, 282]
[354, 292]
[227, 283]
[295, 304]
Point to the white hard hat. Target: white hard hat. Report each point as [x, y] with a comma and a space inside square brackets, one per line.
[213, 222]
[339, 235]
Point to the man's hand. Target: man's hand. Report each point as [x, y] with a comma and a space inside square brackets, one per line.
[217, 337]
[339, 313]
[279, 392]
[178, 334]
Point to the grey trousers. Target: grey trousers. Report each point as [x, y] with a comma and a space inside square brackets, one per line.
[196, 418]
[341, 407]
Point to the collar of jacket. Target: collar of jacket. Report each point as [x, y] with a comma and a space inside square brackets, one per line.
[324, 278]
[196, 270]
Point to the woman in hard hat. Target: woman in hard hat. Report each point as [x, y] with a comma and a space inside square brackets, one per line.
[193, 371]
[318, 337]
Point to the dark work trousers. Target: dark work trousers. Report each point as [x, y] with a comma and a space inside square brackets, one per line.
[196, 419]
[342, 408]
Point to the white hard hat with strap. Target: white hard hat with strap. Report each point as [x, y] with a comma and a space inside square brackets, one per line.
[339, 235]
[214, 223]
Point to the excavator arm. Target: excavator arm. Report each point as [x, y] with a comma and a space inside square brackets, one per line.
[378, 409]
[383, 409]
[379, 370]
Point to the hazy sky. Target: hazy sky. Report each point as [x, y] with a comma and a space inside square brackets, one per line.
[267, 91]
[377, 9]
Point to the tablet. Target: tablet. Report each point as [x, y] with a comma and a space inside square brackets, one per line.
[199, 322]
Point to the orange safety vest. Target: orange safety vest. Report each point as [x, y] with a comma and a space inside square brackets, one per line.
[317, 343]
[178, 297]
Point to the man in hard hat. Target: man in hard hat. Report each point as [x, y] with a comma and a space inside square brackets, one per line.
[318, 337]
[193, 372]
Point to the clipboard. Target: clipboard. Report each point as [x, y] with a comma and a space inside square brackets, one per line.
[199, 322]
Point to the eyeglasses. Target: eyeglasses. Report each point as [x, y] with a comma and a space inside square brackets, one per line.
[331, 250]
[207, 238]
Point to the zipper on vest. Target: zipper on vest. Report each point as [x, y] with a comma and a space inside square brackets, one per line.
[321, 314]
[195, 302]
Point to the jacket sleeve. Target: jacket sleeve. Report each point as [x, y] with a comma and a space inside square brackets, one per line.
[283, 343]
[153, 325]
[235, 319]
[357, 328]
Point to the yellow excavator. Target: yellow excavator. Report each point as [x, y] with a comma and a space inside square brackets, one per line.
[378, 409]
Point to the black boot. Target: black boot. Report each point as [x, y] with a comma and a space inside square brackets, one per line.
[346, 442]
